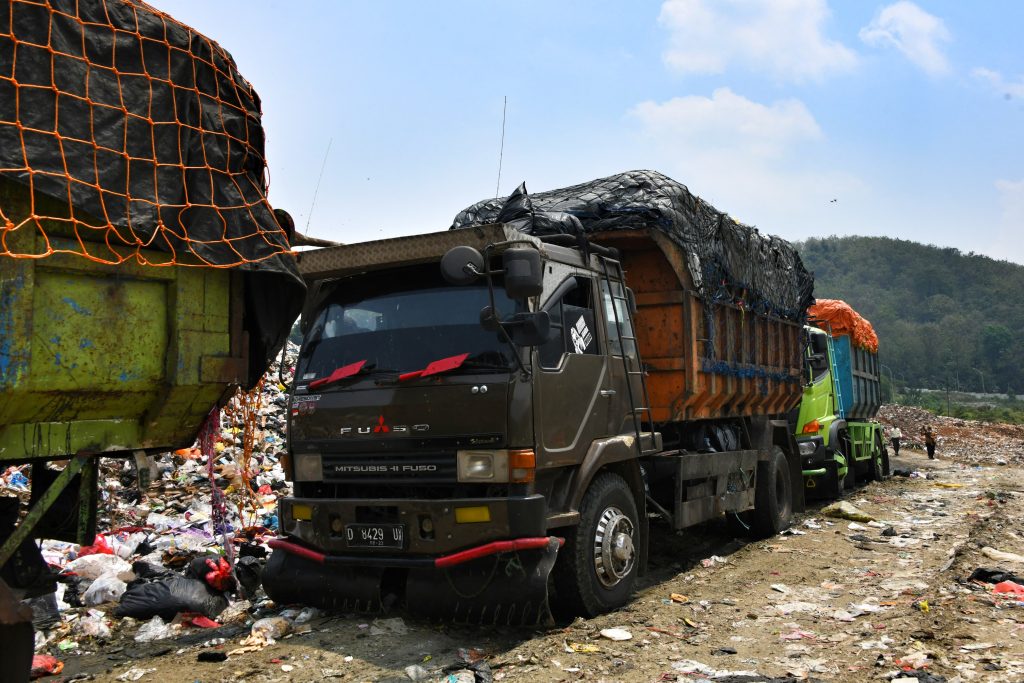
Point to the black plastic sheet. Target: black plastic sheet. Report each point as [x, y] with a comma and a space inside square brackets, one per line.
[728, 261]
[147, 128]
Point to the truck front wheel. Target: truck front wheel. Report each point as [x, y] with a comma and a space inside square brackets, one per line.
[596, 570]
[773, 497]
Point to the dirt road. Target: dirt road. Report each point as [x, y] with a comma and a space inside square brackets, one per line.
[831, 600]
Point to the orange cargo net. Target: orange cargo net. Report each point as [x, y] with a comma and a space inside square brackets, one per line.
[843, 320]
[129, 132]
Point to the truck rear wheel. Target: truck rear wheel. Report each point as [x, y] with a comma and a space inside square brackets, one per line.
[879, 460]
[773, 497]
[596, 570]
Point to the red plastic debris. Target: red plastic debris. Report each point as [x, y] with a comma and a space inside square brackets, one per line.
[203, 622]
[219, 576]
[45, 665]
[1008, 587]
[99, 547]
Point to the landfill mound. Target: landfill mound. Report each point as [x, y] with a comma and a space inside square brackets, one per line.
[970, 442]
[729, 261]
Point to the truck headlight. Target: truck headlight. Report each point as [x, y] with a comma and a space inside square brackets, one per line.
[308, 467]
[490, 466]
[807, 447]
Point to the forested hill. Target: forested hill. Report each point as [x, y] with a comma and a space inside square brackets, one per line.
[943, 317]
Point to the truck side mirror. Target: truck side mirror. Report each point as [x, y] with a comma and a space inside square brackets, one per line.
[523, 274]
[529, 329]
[462, 265]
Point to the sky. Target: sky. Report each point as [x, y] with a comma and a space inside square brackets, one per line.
[805, 118]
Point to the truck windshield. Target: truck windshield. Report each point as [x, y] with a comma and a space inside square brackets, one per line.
[398, 321]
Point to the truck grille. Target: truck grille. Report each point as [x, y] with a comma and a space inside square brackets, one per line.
[389, 467]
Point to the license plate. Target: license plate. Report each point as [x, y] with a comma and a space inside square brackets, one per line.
[375, 535]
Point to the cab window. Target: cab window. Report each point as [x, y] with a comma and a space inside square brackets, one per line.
[573, 326]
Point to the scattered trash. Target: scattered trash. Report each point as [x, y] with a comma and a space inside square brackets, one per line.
[267, 630]
[383, 627]
[616, 634]
[585, 648]
[1008, 587]
[134, 674]
[1001, 556]
[211, 656]
[845, 510]
[781, 588]
[154, 629]
[44, 665]
[416, 672]
[712, 561]
[678, 597]
[107, 588]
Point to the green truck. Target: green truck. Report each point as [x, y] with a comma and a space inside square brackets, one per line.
[839, 440]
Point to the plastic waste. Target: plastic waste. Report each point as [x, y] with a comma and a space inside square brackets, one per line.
[99, 547]
[845, 510]
[270, 629]
[107, 588]
[1001, 556]
[168, 596]
[92, 567]
[616, 634]
[94, 626]
[45, 665]
[394, 626]
[1011, 587]
[154, 629]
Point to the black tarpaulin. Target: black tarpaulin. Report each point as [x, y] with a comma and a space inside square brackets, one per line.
[728, 261]
[148, 134]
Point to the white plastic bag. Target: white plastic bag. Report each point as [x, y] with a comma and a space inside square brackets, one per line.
[154, 629]
[92, 567]
[107, 588]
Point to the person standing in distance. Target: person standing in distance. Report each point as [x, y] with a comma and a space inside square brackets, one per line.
[929, 440]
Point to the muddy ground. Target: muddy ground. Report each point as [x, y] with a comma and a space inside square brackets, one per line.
[830, 601]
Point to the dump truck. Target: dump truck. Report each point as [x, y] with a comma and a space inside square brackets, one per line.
[477, 410]
[144, 277]
[839, 440]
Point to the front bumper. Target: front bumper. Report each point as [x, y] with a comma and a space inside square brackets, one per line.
[431, 528]
[813, 464]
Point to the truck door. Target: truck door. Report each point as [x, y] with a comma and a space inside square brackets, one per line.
[572, 373]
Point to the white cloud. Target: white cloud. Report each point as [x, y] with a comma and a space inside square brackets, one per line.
[780, 37]
[728, 120]
[995, 79]
[913, 32]
[762, 163]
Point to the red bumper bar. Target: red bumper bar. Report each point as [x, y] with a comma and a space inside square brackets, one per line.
[442, 562]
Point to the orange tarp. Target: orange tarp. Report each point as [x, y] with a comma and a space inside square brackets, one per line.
[843, 320]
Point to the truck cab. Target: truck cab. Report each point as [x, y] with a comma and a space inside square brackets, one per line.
[839, 441]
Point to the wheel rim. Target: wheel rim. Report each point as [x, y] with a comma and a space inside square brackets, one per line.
[614, 550]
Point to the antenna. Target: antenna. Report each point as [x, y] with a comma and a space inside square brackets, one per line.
[501, 154]
[316, 190]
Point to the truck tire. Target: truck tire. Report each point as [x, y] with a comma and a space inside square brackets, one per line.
[596, 570]
[879, 460]
[833, 482]
[773, 497]
[850, 480]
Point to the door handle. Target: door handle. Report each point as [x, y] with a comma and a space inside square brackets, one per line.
[607, 392]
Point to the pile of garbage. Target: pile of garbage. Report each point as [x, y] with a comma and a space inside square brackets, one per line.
[182, 543]
[971, 442]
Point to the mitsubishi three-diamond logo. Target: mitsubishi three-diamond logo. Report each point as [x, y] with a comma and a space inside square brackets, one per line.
[581, 336]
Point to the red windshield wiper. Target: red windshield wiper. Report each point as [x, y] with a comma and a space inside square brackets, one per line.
[436, 367]
[341, 373]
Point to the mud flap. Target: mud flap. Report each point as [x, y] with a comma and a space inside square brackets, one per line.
[290, 579]
[505, 589]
